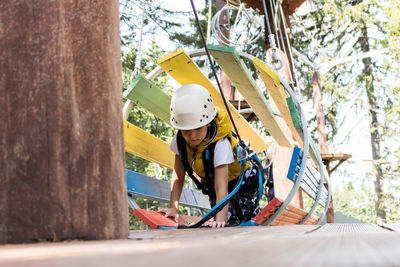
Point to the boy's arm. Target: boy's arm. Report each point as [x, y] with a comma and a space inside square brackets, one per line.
[221, 191]
[177, 180]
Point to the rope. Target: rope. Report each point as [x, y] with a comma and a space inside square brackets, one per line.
[287, 41]
[209, 21]
[213, 69]
[251, 35]
[271, 38]
[129, 104]
[138, 59]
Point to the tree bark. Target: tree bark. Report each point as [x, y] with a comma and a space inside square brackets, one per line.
[62, 159]
[373, 124]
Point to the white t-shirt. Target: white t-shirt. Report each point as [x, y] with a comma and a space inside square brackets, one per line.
[222, 152]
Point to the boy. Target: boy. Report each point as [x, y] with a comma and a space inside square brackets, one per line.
[205, 132]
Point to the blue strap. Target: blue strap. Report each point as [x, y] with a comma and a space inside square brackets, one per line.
[220, 205]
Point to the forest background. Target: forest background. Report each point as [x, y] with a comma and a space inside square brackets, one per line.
[360, 97]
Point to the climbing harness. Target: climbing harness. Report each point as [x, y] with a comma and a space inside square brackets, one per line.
[244, 152]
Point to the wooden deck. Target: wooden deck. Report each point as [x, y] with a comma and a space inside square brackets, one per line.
[296, 245]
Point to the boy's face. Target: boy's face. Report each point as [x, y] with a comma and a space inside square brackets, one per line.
[195, 136]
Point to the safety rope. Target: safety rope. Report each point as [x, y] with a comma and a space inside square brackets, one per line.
[252, 34]
[271, 38]
[209, 21]
[213, 69]
[138, 61]
[289, 52]
[244, 152]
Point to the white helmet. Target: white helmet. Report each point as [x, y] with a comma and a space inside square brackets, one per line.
[191, 107]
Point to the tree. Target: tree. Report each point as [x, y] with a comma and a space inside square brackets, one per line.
[348, 28]
[62, 159]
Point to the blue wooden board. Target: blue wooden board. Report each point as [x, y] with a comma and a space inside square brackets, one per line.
[140, 185]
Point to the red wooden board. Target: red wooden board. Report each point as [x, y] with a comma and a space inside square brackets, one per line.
[154, 219]
[266, 212]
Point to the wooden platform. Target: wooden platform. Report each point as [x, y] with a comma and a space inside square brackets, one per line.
[296, 245]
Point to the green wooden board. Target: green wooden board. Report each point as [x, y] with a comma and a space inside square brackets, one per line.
[149, 96]
[294, 114]
[231, 63]
[297, 125]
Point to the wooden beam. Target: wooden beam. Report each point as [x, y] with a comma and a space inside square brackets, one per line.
[140, 143]
[278, 94]
[239, 75]
[180, 66]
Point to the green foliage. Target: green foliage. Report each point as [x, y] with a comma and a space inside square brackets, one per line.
[359, 204]
[335, 29]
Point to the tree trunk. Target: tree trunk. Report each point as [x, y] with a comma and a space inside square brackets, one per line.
[62, 159]
[322, 142]
[373, 124]
[323, 145]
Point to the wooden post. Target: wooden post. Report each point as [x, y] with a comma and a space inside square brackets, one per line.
[62, 164]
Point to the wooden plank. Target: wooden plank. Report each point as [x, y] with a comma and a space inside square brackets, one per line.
[142, 186]
[154, 219]
[268, 210]
[292, 215]
[231, 63]
[149, 96]
[181, 67]
[312, 194]
[280, 222]
[278, 94]
[313, 219]
[297, 210]
[282, 185]
[288, 219]
[282, 246]
[140, 143]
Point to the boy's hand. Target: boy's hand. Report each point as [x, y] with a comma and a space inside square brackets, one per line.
[171, 212]
[218, 224]
[215, 224]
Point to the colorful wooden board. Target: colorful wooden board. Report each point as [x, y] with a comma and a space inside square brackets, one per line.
[291, 215]
[278, 94]
[240, 77]
[142, 186]
[140, 143]
[149, 96]
[180, 66]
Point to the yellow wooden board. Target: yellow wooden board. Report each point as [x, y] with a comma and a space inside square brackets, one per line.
[180, 66]
[142, 144]
[241, 78]
[278, 94]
